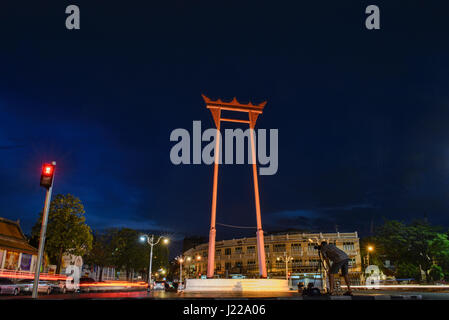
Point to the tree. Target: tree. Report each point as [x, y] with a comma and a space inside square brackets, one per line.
[420, 235]
[391, 241]
[101, 252]
[67, 231]
[128, 252]
[405, 270]
[414, 247]
[440, 248]
[436, 273]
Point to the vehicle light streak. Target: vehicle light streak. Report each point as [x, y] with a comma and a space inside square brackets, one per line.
[115, 284]
[405, 286]
[30, 275]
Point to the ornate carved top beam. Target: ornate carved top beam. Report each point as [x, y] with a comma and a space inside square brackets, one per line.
[234, 105]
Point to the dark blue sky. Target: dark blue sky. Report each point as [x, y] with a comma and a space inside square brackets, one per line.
[362, 115]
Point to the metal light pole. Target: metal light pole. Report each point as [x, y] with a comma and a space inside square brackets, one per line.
[180, 260]
[287, 259]
[150, 241]
[42, 237]
[369, 249]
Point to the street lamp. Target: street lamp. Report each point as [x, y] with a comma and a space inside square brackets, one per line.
[152, 243]
[287, 259]
[188, 259]
[181, 260]
[198, 259]
[369, 249]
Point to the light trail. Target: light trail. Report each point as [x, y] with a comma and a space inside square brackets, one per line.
[398, 286]
[30, 275]
[115, 284]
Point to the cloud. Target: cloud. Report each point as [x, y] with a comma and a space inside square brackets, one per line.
[104, 222]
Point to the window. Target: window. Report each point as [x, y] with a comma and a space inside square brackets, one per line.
[227, 265]
[348, 246]
[227, 251]
[280, 247]
[204, 253]
[296, 263]
[314, 262]
[251, 262]
[218, 266]
[238, 264]
[267, 247]
[238, 250]
[311, 248]
[296, 247]
[251, 249]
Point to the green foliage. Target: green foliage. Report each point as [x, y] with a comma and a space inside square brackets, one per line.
[67, 231]
[440, 246]
[101, 252]
[130, 254]
[122, 249]
[412, 248]
[127, 252]
[406, 270]
[436, 273]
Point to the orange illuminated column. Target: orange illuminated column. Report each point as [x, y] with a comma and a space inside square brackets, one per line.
[260, 239]
[216, 113]
[253, 112]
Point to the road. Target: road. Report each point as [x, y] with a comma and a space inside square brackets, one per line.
[292, 295]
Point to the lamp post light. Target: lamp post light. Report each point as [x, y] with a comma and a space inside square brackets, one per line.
[188, 259]
[152, 243]
[287, 258]
[180, 260]
[198, 259]
[369, 249]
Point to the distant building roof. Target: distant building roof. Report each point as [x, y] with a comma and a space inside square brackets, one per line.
[12, 237]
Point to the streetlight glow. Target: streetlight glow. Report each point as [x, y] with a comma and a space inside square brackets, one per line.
[152, 242]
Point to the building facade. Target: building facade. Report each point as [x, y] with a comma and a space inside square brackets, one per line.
[292, 252]
[15, 252]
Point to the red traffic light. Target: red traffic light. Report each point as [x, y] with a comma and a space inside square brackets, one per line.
[47, 175]
[47, 169]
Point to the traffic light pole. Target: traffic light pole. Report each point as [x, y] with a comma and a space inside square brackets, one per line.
[42, 239]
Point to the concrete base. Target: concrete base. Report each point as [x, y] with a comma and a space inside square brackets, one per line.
[236, 285]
